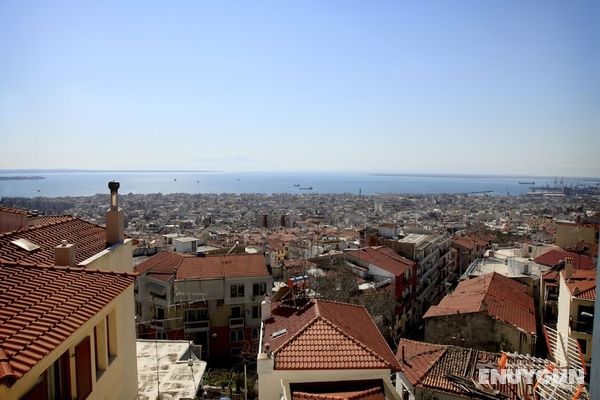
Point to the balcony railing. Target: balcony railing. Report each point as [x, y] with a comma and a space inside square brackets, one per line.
[196, 325]
[157, 324]
[584, 326]
[237, 322]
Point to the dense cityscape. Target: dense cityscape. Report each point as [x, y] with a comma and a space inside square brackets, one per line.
[220, 277]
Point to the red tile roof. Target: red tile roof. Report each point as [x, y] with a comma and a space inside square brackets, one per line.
[500, 297]
[222, 266]
[419, 357]
[17, 211]
[428, 366]
[582, 284]
[376, 393]
[553, 257]
[385, 258]
[89, 239]
[41, 306]
[166, 263]
[327, 335]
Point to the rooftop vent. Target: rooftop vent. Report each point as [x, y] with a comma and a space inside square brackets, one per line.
[26, 245]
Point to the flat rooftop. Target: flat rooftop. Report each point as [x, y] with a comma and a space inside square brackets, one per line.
[176, 379]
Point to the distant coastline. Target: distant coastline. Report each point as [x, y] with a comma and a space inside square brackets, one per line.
[20, 178]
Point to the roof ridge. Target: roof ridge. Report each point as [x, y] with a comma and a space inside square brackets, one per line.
[358, 342]
[64, 268]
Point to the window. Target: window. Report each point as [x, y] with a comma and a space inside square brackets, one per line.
[582, 345]
[255, 334]
[138, 308]
[111, 336]
[159, 313]
[259, 289]
[236, 335]
[196, 315]
[237, 290]
[83, 367]
[255, 312]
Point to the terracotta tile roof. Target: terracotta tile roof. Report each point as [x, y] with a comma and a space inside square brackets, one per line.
[553, 257]
[17, 211]
[419, 357]
[383, 257]
[166, 262]
[327, 335]
[582, 284]
[429, 366]
[372, 389]
[41, 306]
[222, 266]
[89, 239]
[463, 242]
[500, 297]
[375, 393]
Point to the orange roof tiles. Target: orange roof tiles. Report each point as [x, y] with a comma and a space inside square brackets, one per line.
[500, 297]
[89, 239]
[582, 284]
[376, 393]
[553, 257]
[418, 359]
[222, 266]
[41, 306]
[383, 257]
[327, 335]
[428, 366]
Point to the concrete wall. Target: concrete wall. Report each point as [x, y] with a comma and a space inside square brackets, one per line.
[118, 258]
[478, 330]
[119, 380]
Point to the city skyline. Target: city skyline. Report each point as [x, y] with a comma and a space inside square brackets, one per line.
[502, 88]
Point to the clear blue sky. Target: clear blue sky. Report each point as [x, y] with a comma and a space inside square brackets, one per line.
[425, 86]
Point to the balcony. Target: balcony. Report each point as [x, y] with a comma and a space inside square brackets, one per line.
[196, 326]
[157, 324]
[237, 322]
[584, 326]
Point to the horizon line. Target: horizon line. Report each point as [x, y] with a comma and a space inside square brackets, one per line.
[375, 173]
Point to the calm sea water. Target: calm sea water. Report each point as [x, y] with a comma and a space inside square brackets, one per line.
[89, 183]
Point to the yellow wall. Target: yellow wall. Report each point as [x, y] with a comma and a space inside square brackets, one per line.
[119, 380]
[275, 384]
[117, 258]
[569, 233]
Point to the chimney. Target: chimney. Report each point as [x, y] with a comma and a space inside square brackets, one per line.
[114, 217]
[64, 254]
[568, 267]
[265, 308]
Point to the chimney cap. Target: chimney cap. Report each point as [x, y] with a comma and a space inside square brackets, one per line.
[113, 186]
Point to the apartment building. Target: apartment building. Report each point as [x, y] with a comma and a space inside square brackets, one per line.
[212, 300]
[322, 350]
[576, 298]
[384, 266]
[491, 312]
[434, 263]
[66, 333]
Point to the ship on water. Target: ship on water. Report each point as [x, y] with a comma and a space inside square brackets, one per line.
[526, 183]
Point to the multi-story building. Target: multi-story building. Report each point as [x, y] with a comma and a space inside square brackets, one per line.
[212, 300]
[491, 312]
[577, 294]
[383, 265]
[66, 333]
[322, 350]
[434, 263]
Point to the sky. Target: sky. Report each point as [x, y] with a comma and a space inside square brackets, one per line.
[491, 87]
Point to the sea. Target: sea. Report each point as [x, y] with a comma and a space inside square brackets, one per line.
[87, 183]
